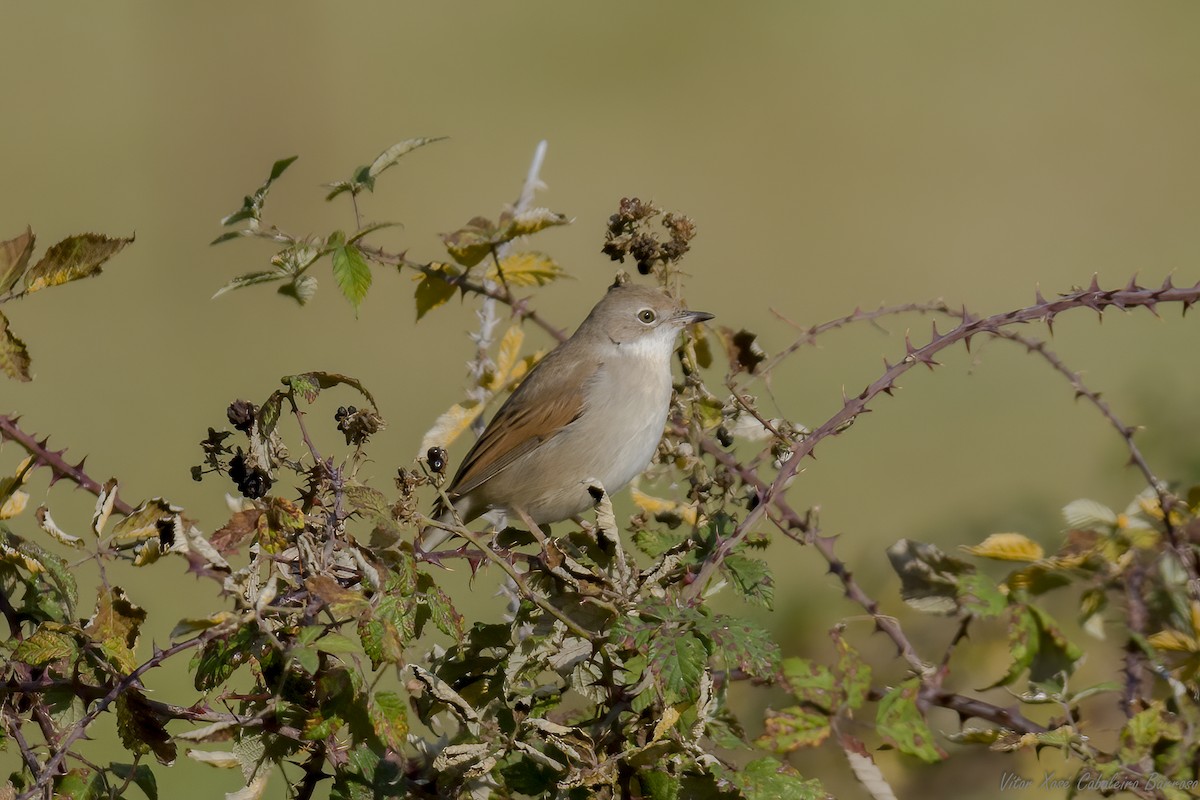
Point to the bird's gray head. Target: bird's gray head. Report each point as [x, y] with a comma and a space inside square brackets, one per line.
[639, 315]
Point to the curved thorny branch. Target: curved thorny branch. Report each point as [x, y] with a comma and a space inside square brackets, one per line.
[1094, 298]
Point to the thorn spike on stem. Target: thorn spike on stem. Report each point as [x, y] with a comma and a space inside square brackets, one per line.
[1132, 286]
[1037, 296]
[1166, 284]
[1094, 286]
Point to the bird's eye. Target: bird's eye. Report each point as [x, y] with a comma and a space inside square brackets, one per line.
[646, 315]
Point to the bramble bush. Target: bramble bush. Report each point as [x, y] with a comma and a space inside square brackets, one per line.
[335, 656]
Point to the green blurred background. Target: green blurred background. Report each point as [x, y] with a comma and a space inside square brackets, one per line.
[832, 154]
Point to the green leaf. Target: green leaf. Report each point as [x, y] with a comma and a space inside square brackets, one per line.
[811, 683]
[768, 779]
[389, 157]
[79, 784]
[445, 616]
[48, 643]
[793, 728]
[389, 717]
[251, 279]
[853, 674]
[659, 785]
[900, 723]
[252, 205]
[751, 578]
[352, 273]
[73, 258]
[14, 258]
[432, 291]
[979, 595]
[141, 775]
[678, 658]
[309, 384]
[336, 643]
[14, 357]
[741, 643]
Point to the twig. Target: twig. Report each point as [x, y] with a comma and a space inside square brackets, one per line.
[1095, 298]
[132, 679]
[44, 456]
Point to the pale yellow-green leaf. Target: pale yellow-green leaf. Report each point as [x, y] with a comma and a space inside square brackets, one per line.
[533, 220]
[49, 526]
[14, 258]
[390, 156]
[1007, 547]
[450, 425]
[1088, 515]
[670, 716]
[144, 521]
[104, 506]
[14, 357]
[13, 505]
[658, 505]
[214, 758]
[506, 357]
[71, 259]
[526, 269]
[1175, 641]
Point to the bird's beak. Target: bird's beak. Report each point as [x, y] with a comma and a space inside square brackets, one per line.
[691, 317]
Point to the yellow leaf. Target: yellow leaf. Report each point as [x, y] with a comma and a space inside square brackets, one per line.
[49, 526]
[657, 505]
[669, 718]
[506, 358]
[1008, 547]
[450, 425]
[1174, 641]
[14, 505]
[73, 258]
[527, 269]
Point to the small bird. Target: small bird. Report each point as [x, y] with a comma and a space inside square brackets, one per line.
[592, 411]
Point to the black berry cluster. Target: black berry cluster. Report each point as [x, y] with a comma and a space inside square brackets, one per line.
[436, 456]
[241, 415]
[252, 482]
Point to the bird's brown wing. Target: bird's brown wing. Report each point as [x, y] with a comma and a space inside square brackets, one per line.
[548, 400]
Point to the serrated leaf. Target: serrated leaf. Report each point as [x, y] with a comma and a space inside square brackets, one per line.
[389, 157]
[389, 718]
[14, 258]
[251, 279]
[352, 273]
[526, 269]
[75, 257]
[792, 728]
[678, 658]
[900, 723]
[46, 644]
[14, 356]
[445, 615]
[450, 425]
[811, 683]
[741, 643]
[768, 779]
[979, 595]
[1007, 547]
[751, 578]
